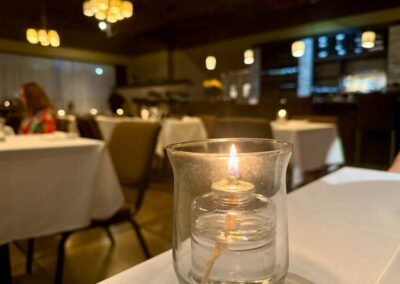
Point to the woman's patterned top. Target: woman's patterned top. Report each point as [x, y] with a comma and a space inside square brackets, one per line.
[42, 121]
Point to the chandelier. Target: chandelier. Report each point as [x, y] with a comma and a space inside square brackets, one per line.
[109, 10]
[43, 37]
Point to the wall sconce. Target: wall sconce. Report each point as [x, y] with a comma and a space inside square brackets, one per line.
[298, 48]
[248, 56]
[211, 62]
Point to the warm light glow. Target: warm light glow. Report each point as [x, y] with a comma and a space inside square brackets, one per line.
[233, 163]
[100, 15]
[282, 113]
[127, 9]
[53, 38]
[42, 36]
[93, 111]
[298, 48]
[32, 36]
[145, 114]
[109, 10]
[211, 62]
[248, 57]
[120, 111]
[6, 103]
[368, 39]
[61, 112]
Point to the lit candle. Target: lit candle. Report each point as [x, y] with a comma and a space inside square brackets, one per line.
[230, 223]
[120, 111]
[282, 115]
[93, 111]
[231, 191]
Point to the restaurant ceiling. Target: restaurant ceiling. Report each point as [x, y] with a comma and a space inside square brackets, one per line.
[160, 24]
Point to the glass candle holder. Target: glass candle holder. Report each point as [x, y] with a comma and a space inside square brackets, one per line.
[230, 221]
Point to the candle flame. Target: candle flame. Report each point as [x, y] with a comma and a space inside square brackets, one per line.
[233, 169]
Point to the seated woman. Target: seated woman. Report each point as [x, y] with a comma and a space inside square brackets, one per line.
[395, 168]
[39, 114]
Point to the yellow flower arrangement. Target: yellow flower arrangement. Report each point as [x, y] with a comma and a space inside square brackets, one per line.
[212, 83]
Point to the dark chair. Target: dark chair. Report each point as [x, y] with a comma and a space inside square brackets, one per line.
[242, 127]
[375, 112]
[209, 123]
[63, 125]
[131, 147]
[88, 127]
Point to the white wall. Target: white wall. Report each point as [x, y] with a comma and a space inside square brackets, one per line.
[63, 81]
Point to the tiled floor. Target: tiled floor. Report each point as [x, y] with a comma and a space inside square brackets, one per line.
[90, 257]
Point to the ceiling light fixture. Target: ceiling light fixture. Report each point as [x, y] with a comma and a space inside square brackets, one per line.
[368, 39]
[298, 48]
[43, 36]
[108, 10]
[248, 57]
[211, 62]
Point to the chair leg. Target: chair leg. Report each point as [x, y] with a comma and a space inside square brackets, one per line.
[60, 258]
[392, 145]
[358, 147]
[141, 239]
[110, 235]
[29, 255]
[5, 265]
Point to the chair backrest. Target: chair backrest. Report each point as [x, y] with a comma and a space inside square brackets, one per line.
[250, 127]
[317, 118]
[375, 112]
[88, 127]
[209, 123]
[132, 147]
[62, 124]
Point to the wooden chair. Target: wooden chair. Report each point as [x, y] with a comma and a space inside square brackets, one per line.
[242, 127]
[131, 147]
[88, 127]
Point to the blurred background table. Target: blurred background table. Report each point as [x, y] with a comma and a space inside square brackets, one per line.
[315, 146]
[343, 228]
[179, 130]
[44, 190]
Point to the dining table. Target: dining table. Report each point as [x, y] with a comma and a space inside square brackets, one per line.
[343, 228]
[173, 130]
[315, 146]
[52, 183]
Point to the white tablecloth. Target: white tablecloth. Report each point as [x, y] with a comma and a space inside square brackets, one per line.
[314, 145]
[343, 229]
[108, 123]
[52, 183]
[179, 130]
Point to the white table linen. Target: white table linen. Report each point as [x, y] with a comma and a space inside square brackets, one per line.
[52, 183]
[108, 123]
[343, 228]
[314, 145]
[180, 130]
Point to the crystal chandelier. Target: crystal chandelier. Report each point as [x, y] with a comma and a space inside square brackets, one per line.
[109, 10]
[43, 37]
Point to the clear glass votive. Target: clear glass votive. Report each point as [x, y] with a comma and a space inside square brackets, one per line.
[230, 221]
